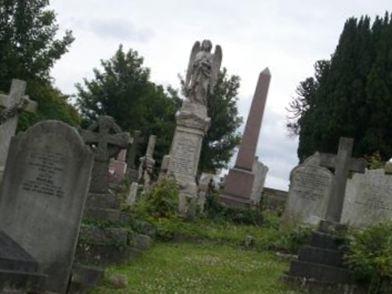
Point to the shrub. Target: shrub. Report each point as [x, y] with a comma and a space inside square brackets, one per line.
[162, 201]
[369, 256]
[215, 211]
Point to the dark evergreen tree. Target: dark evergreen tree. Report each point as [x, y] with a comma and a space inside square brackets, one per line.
[350, 94]
[28, 50]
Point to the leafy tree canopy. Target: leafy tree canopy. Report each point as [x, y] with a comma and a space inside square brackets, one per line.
[123, 90]
[28, 51]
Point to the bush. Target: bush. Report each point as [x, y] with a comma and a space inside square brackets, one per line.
[162, 201]
[370, 256]
[216, 212]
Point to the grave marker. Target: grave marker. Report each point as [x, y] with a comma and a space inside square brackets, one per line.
[43, 194]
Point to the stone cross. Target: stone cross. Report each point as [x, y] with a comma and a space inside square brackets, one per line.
[343, 164]
[147, 163]
[107, 139]
[132, 151]
[15, 102]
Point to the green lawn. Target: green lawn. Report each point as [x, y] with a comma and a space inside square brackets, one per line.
[201, 268]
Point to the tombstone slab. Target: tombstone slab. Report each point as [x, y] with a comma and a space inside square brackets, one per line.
[310, 186]
[260, 170]
[43, 194]
[368, 199]
[239, 183]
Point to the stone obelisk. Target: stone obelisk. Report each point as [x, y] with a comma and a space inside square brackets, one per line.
[241, 179]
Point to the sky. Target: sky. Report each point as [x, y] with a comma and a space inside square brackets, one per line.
[286, 36]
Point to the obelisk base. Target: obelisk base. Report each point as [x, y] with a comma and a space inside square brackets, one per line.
[238, 188]
[192, 125]
[243, 188]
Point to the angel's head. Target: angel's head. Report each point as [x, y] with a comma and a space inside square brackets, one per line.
[206, 45]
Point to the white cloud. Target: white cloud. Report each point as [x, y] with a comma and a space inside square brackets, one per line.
[286, 36]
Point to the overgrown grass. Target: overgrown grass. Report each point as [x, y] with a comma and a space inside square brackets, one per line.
[201, 268]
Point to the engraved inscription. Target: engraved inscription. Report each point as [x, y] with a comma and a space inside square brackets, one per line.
[184, 159]
[46, 172]
[310, 184]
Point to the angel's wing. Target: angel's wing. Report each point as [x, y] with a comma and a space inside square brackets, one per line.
[195, 49]
[216, 64]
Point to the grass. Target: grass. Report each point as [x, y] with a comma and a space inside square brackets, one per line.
[201, 268]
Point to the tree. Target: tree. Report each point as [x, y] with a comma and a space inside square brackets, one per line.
[124, 91]
[350, 94]
[222, 138]
[28, 51]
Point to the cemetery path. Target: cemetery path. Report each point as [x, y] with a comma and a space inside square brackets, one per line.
[201, 268]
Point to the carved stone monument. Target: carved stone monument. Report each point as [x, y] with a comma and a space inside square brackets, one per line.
[310, 187]
[13, 103]
[368, 199]
[192, 120]
[240, 181]
[132, 170]
[106, 139]
[118, 167]
[260, 170]
[147, 163]
[42, 197]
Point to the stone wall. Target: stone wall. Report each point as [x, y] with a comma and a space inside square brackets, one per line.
[273, 199]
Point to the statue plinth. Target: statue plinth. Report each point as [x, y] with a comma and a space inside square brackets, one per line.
[192, 125]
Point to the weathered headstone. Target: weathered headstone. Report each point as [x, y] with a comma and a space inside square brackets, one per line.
[309, 190]
[42, 197]
[260, 170]
[13, 103]
[240, 181]
[164, 168]
[205, 187]
[106, 139]
[147, 164]
[132, 169]
[132, 195]
[118, 167]
[368, 199]
[193, 121]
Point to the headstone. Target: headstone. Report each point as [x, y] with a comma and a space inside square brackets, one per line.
[205, 187]
[241, 179]
[118, 167]
[193, 121]
[13, 103]
[106, 139]
[147, 163]
[164, 167]
[42, 197]
[260, 171]
[368, 199]
[132, 169]
[132, 195]
[310, 186]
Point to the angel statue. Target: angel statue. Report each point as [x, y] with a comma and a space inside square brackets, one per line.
[202, 73]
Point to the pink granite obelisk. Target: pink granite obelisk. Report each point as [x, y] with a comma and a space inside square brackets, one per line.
[240, 180]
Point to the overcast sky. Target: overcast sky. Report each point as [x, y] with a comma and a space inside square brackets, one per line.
[286, 36]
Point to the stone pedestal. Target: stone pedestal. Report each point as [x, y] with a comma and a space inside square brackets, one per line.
[320, 264]
[192, 125]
